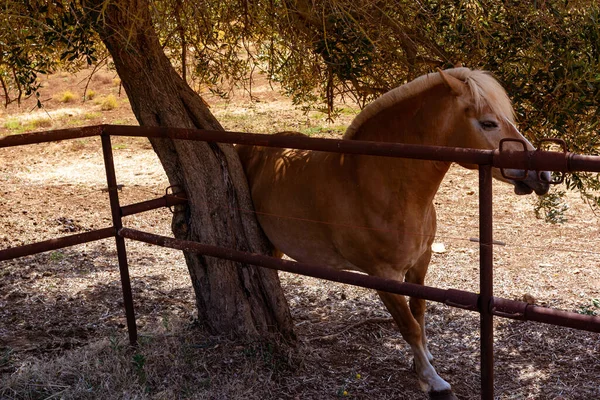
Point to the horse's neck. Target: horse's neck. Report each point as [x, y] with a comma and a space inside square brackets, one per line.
[408, 184]
[418, 120]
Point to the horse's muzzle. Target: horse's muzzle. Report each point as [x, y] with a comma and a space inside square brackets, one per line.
[532, 183]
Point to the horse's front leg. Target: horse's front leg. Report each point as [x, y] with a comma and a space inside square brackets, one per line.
[411, 331]
[416, 274]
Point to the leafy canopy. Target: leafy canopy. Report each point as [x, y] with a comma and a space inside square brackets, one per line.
[546, 53]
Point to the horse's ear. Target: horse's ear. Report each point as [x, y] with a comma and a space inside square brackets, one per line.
[456, 86]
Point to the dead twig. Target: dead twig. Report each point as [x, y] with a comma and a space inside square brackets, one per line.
[353, 326]
[7, 99]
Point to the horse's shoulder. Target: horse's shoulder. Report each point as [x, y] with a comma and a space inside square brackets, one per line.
[250, 154]
[246, 154]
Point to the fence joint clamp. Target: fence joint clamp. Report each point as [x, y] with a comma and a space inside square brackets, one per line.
[174, 191]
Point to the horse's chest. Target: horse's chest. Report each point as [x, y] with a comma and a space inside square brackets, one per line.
[400, 242]
[408, 244]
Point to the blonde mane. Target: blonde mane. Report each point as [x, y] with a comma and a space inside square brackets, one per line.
[483, 87]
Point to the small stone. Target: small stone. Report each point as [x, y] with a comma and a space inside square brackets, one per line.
[529, 299]
[438, 248]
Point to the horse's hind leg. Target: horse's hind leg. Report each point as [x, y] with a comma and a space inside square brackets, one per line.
[410, 329]
[417, 306]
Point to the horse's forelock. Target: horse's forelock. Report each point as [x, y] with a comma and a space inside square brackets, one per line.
[484, 89]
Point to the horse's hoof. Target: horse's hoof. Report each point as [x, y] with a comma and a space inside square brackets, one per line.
[443, 395]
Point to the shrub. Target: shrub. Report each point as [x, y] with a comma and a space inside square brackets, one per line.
[89, 95]
[66, 96]
[108, 103]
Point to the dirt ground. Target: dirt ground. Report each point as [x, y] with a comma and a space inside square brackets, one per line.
[62, 325]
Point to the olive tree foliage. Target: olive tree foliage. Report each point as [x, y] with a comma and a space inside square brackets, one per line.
[546, 53]
[38, 37]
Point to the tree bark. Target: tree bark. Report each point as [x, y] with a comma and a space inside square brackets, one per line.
[239, 300]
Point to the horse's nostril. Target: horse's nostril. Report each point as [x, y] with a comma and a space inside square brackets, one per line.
[545, 177]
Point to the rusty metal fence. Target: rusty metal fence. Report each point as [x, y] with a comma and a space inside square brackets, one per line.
[485, 302]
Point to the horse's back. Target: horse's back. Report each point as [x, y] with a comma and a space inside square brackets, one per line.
[253, 156]
[275, 173]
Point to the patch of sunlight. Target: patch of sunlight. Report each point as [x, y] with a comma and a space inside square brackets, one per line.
[39, 119]
[61, 113]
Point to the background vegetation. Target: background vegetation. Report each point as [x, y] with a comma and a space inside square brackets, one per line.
[546, 53]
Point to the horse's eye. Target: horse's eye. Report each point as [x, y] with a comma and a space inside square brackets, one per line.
[488, 125]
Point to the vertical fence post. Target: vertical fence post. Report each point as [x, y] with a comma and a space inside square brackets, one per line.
[486, 285]
[120, 242]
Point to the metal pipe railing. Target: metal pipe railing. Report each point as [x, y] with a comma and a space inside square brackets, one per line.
[50, 136]
[485, 302]
[486, 281]
[56, 243]
[530, 160]
[452, 297]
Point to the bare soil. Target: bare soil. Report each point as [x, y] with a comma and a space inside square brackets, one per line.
[62, 325]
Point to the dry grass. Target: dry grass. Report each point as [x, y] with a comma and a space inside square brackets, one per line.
[108, 103]
[178, 359]
[20, 125]
[163, 366]
[66, 97]
[90, 94]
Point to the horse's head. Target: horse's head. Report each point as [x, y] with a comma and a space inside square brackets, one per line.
[482, 116]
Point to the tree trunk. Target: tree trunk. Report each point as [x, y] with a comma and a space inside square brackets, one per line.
[233, 299]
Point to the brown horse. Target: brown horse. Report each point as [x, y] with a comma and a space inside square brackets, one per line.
[310, 204]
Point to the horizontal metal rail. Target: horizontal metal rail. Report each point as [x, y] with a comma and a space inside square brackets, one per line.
[50, 136]
[529, 312]
[452, 297]
[55, 244]
[99, 234]
[165, 201]
[530, 160]
[466, 300]
[437, 153]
